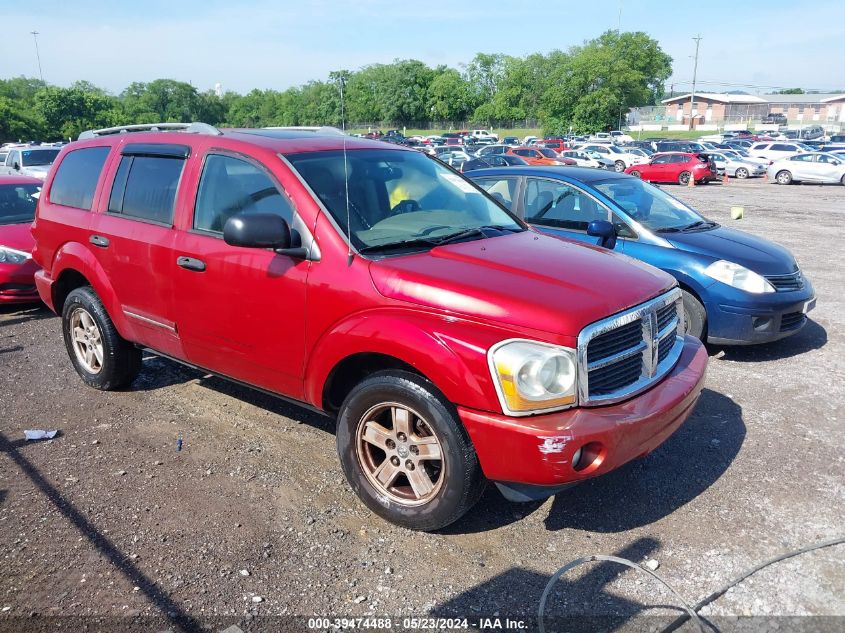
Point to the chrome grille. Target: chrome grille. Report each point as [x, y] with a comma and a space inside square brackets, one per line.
[785, 283]
[627, 353]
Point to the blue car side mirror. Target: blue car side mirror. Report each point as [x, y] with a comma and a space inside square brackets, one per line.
[604, 230]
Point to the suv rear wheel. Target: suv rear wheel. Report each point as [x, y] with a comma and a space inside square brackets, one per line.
[102, 358]
[405, 453]
[683, 177]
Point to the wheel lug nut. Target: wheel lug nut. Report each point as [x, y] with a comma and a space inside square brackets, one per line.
[391, 444]
[402, 437]
[394, 460]
[415, 450]
[409, 465]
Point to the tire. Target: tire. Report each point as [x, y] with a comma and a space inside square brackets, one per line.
[695, 316]
[619, 166]
[373, 409]
[636, 174]
[783, 177]
[683, 177]
[842, 180]
[102, 358]
[741, 173]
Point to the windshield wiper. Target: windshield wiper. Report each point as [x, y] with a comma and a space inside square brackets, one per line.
[700, 224]
[473, 232]
[437, 241]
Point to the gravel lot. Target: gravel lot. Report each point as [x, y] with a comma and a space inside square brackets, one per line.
[253, 516]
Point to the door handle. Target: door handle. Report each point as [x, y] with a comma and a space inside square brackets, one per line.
[189, 263]
[99, 240]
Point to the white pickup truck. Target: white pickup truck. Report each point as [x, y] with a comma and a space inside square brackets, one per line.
[484, 134]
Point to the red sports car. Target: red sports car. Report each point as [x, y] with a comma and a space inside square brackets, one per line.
[540, 156]
[676, 167]
[18, 196]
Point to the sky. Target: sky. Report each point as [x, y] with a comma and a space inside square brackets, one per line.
[277, 44]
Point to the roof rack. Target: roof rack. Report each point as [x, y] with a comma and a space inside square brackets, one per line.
[191, 128]
[320, 130]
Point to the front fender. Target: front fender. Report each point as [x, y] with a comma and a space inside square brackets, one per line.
[73, 256]
[451, 352]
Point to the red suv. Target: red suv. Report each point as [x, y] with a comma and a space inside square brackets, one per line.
[453, 344]
[676, 167]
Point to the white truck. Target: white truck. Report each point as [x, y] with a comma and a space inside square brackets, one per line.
[484, 134]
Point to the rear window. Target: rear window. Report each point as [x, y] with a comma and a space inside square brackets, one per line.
[145, 188]
[77, 176]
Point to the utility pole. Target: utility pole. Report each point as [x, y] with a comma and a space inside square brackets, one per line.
[697, 39]
[37, 55]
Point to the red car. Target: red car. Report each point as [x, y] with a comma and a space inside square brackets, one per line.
[556, 144]
[676, 167]
[452, 343]
[540, 156]
[18, 197]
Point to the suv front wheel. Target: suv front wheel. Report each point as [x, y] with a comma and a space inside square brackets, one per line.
[405, 453]
[102, 358]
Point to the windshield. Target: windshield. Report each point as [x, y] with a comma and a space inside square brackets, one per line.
[400, 199]
[615, 150]
[34, 157]
[650, 206]
[17, 203]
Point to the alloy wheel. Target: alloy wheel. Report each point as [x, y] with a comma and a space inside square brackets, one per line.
[400, 454]
[87, 340]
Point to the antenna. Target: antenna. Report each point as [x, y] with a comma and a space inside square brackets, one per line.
[349, 253]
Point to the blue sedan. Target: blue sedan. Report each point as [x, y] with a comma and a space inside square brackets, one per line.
[738, 289]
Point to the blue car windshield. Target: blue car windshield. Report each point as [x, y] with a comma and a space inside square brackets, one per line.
[652, 207]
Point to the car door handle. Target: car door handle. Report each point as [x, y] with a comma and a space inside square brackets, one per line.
[99, 240]
[191, 263]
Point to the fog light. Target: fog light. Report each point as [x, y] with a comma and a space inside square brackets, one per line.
[590, 456]
[760, 324]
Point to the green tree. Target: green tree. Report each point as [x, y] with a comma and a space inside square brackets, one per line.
[69, 111]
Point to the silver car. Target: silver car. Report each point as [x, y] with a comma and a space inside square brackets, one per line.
[819, 167]
[29, 161]
[735, 167]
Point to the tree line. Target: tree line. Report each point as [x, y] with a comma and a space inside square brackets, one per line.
[586, 88]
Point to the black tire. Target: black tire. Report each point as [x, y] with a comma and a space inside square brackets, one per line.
[842, 180]
[619, 166]
[462, 480]
[683, 177]
[783, 177]
[741, 173]
[636, 174]
[695, 316]
[121, 361]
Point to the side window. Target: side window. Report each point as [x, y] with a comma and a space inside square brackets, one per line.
[503, 189]
[230, 186]
[678, 158]
[622, 229]
[780, 147]
[551, 203]
[662, 160]
[14, 157]
[145, 188]
[806, 158]
[77, 176]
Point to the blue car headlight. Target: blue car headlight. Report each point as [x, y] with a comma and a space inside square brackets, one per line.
[12, 256]
[738, 277]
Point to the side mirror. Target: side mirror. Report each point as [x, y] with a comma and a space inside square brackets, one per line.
[261, 230]
[16, 166]
[604, 230]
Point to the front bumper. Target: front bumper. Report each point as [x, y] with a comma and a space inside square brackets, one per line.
[538, 451]
[737, 318]
[17, 284]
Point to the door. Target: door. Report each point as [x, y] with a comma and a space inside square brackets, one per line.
[658, 169]
[133, 240]
[827, 168]
[561, 209]
[239, 311]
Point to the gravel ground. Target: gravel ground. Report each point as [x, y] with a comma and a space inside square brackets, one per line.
[253, 516]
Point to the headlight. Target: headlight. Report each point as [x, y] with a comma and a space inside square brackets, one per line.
[12, 256]
[738, 277]
[532, 377]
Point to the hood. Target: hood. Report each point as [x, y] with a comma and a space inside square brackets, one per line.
[17, 236]
[522, 279]
[757, 254]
